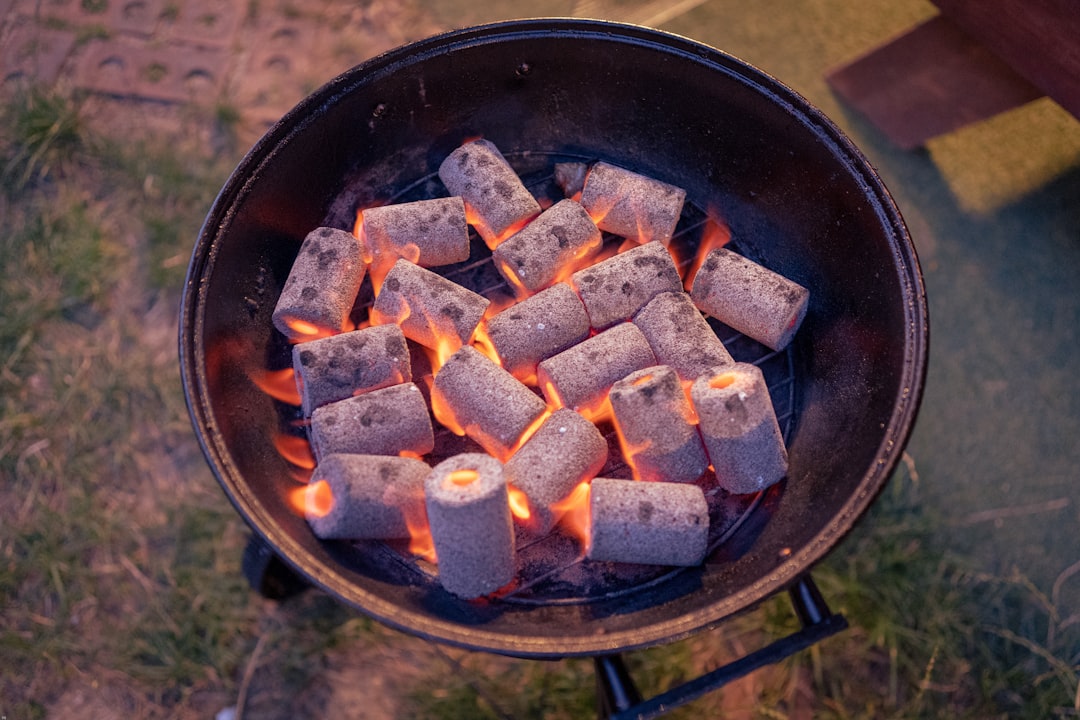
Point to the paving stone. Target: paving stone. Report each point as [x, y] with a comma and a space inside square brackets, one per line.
[203, 22]
[5, 8]
[138, 17]
[273, 76]
[33, 52]
[171, 73]
[134, 17]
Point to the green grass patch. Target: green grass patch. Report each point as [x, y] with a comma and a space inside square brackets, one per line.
[42, 131]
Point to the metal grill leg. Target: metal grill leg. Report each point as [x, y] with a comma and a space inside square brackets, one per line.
[615, 689]
[268, 574]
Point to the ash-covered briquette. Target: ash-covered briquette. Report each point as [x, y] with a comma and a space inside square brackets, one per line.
[614, 290]
[680, 336]
[565, 451]
[485, 401]
[382, 422]
[750, 298]
[468, 509]
[373, 496]
[352, 363]
[738, 424]
[655, 523]
[579, 378]
[657, 428]
[321, 287]
[479, 173]
[632, 205]
[570, 177]
[427, 306]
[532, 258]
[536, 328]
[428, 232]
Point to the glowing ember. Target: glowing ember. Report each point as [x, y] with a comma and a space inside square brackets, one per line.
[308, 331]
[462, 478]
[295, 449]
[278, 384]
[719, 382]
[314, 500]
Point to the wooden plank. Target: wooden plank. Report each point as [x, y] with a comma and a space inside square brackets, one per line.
[929, 81]
[1040, 39]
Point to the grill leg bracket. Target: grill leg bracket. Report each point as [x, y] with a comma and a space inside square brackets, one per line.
[268, 574]
[618, 697]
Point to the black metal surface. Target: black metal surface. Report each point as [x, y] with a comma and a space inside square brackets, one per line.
[796, 194]
[615, 688]
[618, 697]
[268, 574]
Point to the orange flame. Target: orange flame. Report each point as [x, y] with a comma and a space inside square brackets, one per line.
[630, 450]
[445, 346]
[604, 252]
[690, 411]
[601, 206]
[491, 238]
[519, 503]
[421, 543]
[573, 513]
[529, 432]
[306, 331]
[715, 234]
[278, 384]
[583, 257]
[360, 233]
[511, 276]
[315, 499]
[444, 414]
[295, 449]
[597, 412]
[380, 254]
[378, 316]
[481, 340]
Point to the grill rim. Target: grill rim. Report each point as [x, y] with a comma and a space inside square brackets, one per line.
[193, 320]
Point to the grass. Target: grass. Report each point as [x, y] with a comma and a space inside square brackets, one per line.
[119, 558]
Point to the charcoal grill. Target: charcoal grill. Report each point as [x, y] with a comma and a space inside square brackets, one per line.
[798, 198]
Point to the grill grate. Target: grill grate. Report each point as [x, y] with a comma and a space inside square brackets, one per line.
[552, 569]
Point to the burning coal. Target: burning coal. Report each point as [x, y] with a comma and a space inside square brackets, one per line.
[589, 335]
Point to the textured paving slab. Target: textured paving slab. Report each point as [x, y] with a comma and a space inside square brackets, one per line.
[28, 50]
[202, 22]
[171, 73]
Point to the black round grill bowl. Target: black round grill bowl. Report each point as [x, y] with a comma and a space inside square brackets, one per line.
[797, 195]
